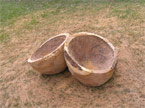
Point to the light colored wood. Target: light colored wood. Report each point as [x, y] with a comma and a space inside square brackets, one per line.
[50, 60]
[78, 56]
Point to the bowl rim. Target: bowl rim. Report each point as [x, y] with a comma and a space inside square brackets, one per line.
[51, 53]
[89, 71]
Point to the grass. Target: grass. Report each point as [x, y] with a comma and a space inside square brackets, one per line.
[126, 11]
[4, 37]
[25, 24]
[30, 24]
[10, 10]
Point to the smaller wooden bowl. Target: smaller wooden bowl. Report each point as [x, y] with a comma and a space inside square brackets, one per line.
[49, 58]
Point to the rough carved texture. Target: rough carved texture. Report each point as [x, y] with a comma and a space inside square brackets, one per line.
[91, 52]
[95, 56]
[48, 47]
[49, 58]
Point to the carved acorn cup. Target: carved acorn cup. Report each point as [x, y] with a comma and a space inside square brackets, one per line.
[90, 58]
[49, 58]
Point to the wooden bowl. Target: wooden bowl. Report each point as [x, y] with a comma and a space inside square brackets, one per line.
[49, 58]
[90, 58]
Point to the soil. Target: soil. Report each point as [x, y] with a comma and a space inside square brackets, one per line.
[22, 87]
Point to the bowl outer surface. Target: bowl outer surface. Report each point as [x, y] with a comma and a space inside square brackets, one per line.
[84, 75]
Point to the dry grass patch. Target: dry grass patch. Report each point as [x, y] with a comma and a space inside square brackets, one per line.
[20, 86]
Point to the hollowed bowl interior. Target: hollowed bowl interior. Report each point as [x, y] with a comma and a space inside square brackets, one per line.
[48, 47]
[91, 52]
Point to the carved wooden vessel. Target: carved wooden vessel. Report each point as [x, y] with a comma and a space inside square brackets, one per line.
[49, 58]
[90, 58]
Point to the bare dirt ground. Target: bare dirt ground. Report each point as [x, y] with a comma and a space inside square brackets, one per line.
[22, 87]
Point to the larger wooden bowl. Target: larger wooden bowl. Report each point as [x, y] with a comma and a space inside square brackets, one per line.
[90, 58]
[49, 58]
